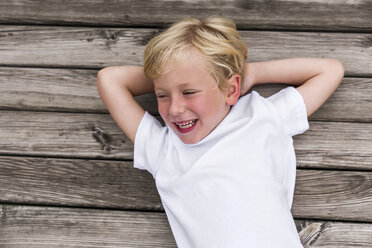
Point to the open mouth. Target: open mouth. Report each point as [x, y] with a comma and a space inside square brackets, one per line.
[185, 126]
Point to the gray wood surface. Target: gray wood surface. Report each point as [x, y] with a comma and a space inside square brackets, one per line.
[77, 182]
[326, 194]
[35, 227]
[254, 14]
[46, 89]
[335, 145]
[334, 234]
[319, 194]
[70, 90]
[74, 135]
[66, 169]
[78, 47]
[62, 135]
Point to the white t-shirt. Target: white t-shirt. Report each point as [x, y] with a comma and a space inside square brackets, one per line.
[234, 188]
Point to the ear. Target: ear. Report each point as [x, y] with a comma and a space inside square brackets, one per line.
[233, 89]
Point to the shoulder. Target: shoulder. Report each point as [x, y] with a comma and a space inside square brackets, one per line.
[285, 108]
[252, 102]
[149, 142]
[291, 108]
[149, 129]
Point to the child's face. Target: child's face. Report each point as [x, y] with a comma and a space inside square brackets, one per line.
[189, 99]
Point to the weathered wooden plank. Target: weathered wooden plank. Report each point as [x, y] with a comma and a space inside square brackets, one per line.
[334, 234]
[45, 89]
[341, 195]
[62, 134]
[23, 226]
[99, 47]
[37, 227]
[255, 14]
[75, 91]
[325, 145]
[335, 145]
[75, 182]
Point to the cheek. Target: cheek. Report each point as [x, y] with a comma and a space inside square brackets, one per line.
[212, 108]
[202, 107]
[208, 103]
[196, 105]
[163, 109]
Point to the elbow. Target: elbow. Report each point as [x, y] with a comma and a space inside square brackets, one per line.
[335, 69]
[338, 69]
[104, 76]
[101, 75]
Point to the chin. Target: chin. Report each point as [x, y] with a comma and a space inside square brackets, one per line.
[189, 140]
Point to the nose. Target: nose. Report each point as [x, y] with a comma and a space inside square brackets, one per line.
[176, 107]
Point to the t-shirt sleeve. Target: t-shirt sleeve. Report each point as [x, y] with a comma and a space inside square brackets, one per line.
[292, 110]
[149, 143]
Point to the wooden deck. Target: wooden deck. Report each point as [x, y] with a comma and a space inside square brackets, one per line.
[66, 169]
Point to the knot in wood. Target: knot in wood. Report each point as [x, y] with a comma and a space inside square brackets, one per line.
[104, 138]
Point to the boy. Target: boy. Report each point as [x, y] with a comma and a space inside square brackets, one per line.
[224, 164]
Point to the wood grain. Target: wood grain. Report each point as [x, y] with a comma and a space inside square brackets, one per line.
[63, 135]
[341, 195]
[74, 135]
[59, 148]
[76, 182]
[332, 195]
[335, 145]
[25, 226]
[69, 90]
[334, 234]
[36, 227]
[46, 89]
[78, 47]
[254, 14]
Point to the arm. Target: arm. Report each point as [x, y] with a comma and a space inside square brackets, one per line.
[316, 78]
[117, 86]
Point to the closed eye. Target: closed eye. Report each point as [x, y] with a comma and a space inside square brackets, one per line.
[161, 96]
[189, 92]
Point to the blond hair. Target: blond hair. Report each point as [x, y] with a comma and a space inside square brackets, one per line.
[216, 39]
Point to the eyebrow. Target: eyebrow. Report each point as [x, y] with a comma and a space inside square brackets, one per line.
[181, 85]
[159, 88]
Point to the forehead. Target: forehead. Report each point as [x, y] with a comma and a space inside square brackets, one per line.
[184, 68]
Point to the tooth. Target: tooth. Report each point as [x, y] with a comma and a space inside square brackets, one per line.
[186, 124]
